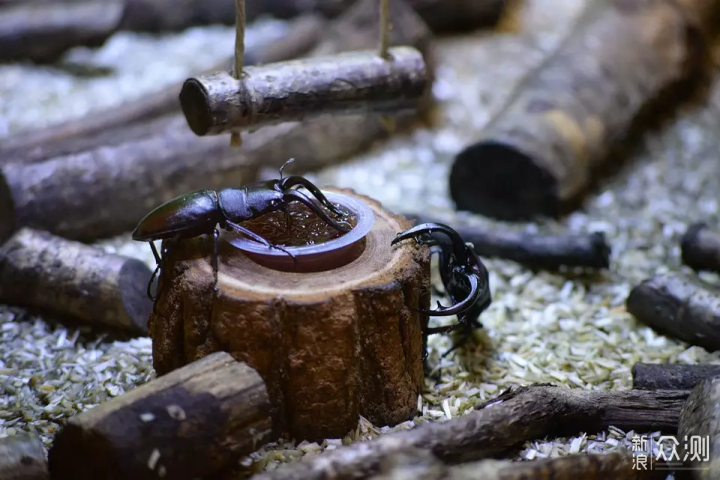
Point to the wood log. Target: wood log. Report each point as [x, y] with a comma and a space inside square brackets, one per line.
[341, 84]
[652, 376]
[124, 123]
[679, 307]
[72, 280]
[330, 345]
[699, 431]
[442, 16]
[549, 252]
[516, 416]
[43, 31]
[194, 422]
[700, 248]
[123, 182]
[538, 154]
[22, 457]
[418, 464]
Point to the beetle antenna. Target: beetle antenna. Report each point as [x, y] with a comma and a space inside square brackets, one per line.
[285, 165]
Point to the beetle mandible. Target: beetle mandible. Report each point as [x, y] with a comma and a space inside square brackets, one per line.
[464, 276]
[201, 211]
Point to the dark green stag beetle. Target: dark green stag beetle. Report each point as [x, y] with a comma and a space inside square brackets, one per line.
[200, 212]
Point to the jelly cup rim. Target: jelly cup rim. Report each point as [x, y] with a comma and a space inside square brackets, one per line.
[365, 222]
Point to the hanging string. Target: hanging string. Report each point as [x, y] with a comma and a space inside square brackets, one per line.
[384, 28]
[235, 137]
[387, 122]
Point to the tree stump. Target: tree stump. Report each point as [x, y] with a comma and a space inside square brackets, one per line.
[329, 345]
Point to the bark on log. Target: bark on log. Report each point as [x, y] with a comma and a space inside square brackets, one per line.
[330, 345]
[341, 84]
[76, 281]
[651, 376]
[194, 422]
[124, 123]
[549, 252]
[537, 156]
[679, 307]
[700, 418]
[518, 415]
[123, 182]
[416, 464]
[700, 248]
[22, 457]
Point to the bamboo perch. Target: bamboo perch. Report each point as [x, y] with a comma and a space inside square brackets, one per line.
[650, 376]
[549, 252]
[700, 248]
[22, 457]
[679, 307]
[347, 83]
[516, 416]
[416, 463]
[192, 423]
[69, 279]
[699, 431]
[105, 191]
[537, 156]
[116, 125]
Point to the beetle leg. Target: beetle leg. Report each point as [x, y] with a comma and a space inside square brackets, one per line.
[257, 238]
[459, 248]
[152, 279]
[294, 180]
[155, 252]
[301, 197]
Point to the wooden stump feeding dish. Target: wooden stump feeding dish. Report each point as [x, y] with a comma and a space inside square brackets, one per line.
[337, 338]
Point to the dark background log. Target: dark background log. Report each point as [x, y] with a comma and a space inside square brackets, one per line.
[22, 457]
[194, 422]
[651, 376]
[679, 307]
[42, 31]
[442, 16]
[75, 281]
[700, 418]
[550, 252]
[523, 414]
[125, 123]
[700, 248]
[342, 84]
[537, 156]
[122, 183]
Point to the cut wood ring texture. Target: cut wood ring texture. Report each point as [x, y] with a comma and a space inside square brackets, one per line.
[330, 345]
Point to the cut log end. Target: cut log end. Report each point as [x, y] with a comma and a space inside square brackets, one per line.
[346, 83]
[331, 345]
[500, 181]
[700, 248]
[699, 420]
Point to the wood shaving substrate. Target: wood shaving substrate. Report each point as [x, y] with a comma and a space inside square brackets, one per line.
[571, 330]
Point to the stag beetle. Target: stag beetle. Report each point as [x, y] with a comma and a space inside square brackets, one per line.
[464, 276]
[199, 212]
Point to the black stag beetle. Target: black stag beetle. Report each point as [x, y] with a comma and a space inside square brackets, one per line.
[464, 276]
[201, 211]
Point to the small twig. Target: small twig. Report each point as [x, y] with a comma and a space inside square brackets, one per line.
[700, 248]
[516, 416]
[679, 307]
[235, 137]
[655, 376]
